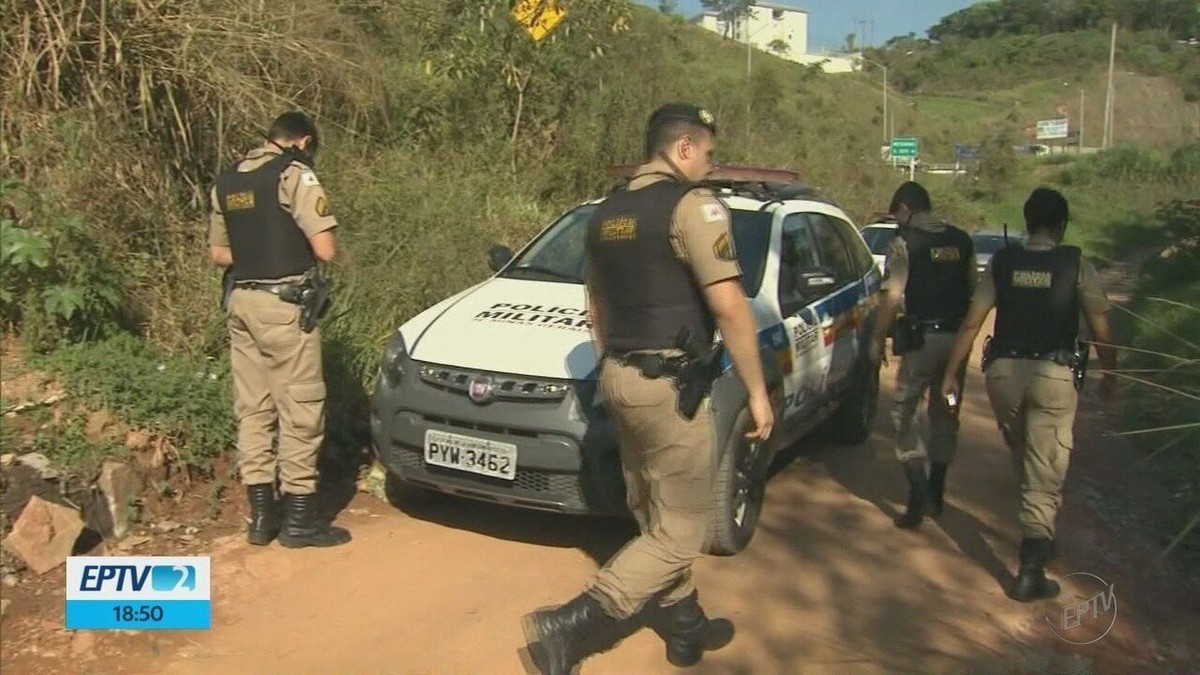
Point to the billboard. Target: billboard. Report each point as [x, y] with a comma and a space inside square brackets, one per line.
[1047, 129]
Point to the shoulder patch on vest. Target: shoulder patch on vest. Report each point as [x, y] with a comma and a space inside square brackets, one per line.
[723, 248]
[322, 206]
[309, 179]
[945, 254]
[712, 212]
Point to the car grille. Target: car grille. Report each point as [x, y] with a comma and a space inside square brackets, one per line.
[504, 386]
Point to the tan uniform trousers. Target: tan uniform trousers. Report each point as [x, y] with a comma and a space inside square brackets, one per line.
[669, 465]
[277, 385]
[921, 373]
[1034, 402]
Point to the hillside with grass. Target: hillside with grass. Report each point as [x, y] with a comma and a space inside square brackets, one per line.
[447, 129]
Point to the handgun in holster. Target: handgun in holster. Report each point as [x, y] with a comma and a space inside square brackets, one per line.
[989, 353]
[1079, 363]
[908, 335]
[702, 366]
[314, 295]
[226, 288]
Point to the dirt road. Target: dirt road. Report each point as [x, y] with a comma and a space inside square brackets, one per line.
[828, 584]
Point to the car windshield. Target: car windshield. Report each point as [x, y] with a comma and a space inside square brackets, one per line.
[878, 238]
[990, 243]
[558, 254]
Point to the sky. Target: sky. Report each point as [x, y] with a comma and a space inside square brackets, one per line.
[829, 21]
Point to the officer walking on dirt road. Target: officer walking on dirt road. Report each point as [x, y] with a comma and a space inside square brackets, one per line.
[661, 258]
[931, 270]
[270, 225]
[1033, 367]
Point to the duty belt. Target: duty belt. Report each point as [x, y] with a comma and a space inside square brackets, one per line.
[278, 288]
[652, 365]
[1060, 356]
[941, 325]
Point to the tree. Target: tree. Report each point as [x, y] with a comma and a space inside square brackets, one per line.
[729, 12]
[668, 6]
[779, 47]
[851, 41]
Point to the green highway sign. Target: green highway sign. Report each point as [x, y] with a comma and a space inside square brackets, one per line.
[904, 147]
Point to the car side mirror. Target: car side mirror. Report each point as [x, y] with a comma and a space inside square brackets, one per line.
[498, 257]
[817, 282]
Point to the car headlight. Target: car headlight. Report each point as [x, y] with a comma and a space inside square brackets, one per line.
[393, 358]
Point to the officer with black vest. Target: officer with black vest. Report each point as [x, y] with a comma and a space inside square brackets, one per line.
[1039, 290]
[931, 271]
[661, 259]
[270, 224]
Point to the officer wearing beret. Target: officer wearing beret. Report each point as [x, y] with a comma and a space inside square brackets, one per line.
[270, 225]
[660, 258]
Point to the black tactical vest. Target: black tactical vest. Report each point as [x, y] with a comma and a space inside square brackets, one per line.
[649, 294]
[265, 239]
[1037, 299]
[940, 265]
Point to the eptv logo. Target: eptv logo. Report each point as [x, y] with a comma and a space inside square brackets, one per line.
[143, 592]
[165, 578]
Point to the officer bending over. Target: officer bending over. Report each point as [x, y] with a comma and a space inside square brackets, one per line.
[270, 224]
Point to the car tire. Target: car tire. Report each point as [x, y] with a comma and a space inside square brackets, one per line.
[851, 424]
[738, 490]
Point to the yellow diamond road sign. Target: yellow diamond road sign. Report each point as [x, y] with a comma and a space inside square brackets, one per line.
[538, 17]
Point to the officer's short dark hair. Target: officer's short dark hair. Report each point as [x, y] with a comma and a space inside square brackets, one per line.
[1046, 210]
[673, 121]
[913, 195]
[292, 126]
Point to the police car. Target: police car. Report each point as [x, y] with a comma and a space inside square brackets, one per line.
[491, 394]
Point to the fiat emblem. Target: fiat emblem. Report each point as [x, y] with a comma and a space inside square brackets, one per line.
[480, 390]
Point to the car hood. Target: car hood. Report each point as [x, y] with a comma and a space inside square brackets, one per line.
[514, 326]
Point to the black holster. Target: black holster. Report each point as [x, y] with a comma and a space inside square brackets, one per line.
[701, 367]
[909, 335]
[226, 288]
[314, 295]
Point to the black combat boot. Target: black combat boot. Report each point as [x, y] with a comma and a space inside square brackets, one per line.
[687, 632]
[302, 528]
[918, 495]
[937, 487]
[1031, 583]
[264, 514]
[558, 639]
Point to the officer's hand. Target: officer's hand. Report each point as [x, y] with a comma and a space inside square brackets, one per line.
[763, 416]
[950, 386]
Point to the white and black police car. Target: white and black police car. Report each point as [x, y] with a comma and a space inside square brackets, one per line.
[491, 394]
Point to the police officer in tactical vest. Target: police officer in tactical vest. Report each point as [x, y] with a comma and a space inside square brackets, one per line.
[270, 225]
[1034, 366]
[661, 264]
[931, 270]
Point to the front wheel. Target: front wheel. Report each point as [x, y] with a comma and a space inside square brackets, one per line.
[738, 490]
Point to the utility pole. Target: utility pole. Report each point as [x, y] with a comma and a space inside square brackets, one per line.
[1081, 121]
[1108, 103]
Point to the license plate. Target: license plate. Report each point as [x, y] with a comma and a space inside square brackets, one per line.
[466, 453]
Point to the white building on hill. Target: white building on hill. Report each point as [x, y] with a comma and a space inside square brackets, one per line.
[776, 28]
